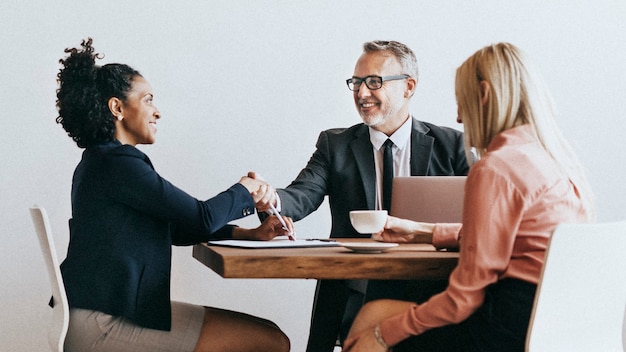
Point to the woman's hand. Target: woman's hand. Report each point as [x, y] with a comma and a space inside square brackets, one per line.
[405, 231]
[269, 229]
[363, 342]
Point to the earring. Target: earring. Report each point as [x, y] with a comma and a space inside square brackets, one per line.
[120, 118]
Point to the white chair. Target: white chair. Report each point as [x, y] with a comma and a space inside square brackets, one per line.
[57, 329]
[581, 297]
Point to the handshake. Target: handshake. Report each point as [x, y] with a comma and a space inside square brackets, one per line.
[263, 193]
[265, 199]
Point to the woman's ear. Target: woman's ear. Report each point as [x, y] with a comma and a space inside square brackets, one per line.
[485, 89]
[115, 106]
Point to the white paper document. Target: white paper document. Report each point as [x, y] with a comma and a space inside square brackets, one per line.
[275, 243]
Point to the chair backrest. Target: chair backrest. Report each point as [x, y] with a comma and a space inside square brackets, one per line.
[60, 312]
[581, 297]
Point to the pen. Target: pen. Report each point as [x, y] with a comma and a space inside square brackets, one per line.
[292, 236]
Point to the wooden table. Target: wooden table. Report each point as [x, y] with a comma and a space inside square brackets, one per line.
[407, 261]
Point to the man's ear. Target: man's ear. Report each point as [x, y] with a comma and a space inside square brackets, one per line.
[411, 84]
[485, 90]
[115, 106]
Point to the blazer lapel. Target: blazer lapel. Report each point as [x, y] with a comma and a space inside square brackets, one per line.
[364, 156]
[421, 148]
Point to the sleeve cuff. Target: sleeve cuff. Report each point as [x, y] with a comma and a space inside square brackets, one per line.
[393, 330]
[446, 235]
[279, 206]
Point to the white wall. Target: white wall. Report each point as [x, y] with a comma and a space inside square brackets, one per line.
[236, 80]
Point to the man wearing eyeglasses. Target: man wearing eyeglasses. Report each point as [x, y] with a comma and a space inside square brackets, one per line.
[347, 166]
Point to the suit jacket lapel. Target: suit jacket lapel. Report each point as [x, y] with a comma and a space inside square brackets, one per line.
[364, 156]
[421, 148]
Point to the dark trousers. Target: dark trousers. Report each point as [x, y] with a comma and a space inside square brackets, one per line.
[500, 324]
[336, 305]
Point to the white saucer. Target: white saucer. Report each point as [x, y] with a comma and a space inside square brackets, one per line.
[368, 247]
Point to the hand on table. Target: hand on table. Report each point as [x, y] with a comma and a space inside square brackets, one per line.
[268, 229]
[405, 231]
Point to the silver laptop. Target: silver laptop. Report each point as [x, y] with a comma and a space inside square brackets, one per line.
[428, 198]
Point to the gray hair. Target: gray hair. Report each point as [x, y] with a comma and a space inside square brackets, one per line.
[403, 53]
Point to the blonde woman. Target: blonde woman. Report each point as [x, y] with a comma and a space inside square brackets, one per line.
[525, 182]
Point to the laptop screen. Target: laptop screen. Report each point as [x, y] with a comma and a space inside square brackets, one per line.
[435, 199]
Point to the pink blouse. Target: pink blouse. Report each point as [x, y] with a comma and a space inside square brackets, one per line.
[514, 198]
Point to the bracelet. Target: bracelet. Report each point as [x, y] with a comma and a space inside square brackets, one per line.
[379, 338]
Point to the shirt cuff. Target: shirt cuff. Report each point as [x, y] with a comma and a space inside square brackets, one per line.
[279, 207]
[446, 235]
[395, 329]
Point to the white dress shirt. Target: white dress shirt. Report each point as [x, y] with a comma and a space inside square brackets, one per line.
[401, 155]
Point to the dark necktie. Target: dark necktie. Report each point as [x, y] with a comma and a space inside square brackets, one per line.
[387, 174]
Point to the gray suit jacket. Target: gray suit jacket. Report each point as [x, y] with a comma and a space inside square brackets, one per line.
[342, 168]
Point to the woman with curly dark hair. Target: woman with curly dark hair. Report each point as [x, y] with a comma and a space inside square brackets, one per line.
[125, 218]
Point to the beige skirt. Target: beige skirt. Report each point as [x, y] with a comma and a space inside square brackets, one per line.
[96, 331]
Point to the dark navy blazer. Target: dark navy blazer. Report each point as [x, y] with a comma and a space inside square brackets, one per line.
[125, 218]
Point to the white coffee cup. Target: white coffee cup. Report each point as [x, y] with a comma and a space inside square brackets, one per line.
[368, 221]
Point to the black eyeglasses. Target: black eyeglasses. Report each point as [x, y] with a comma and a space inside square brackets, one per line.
[372, 82]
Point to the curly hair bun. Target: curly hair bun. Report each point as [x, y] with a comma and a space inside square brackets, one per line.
[84, 91]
